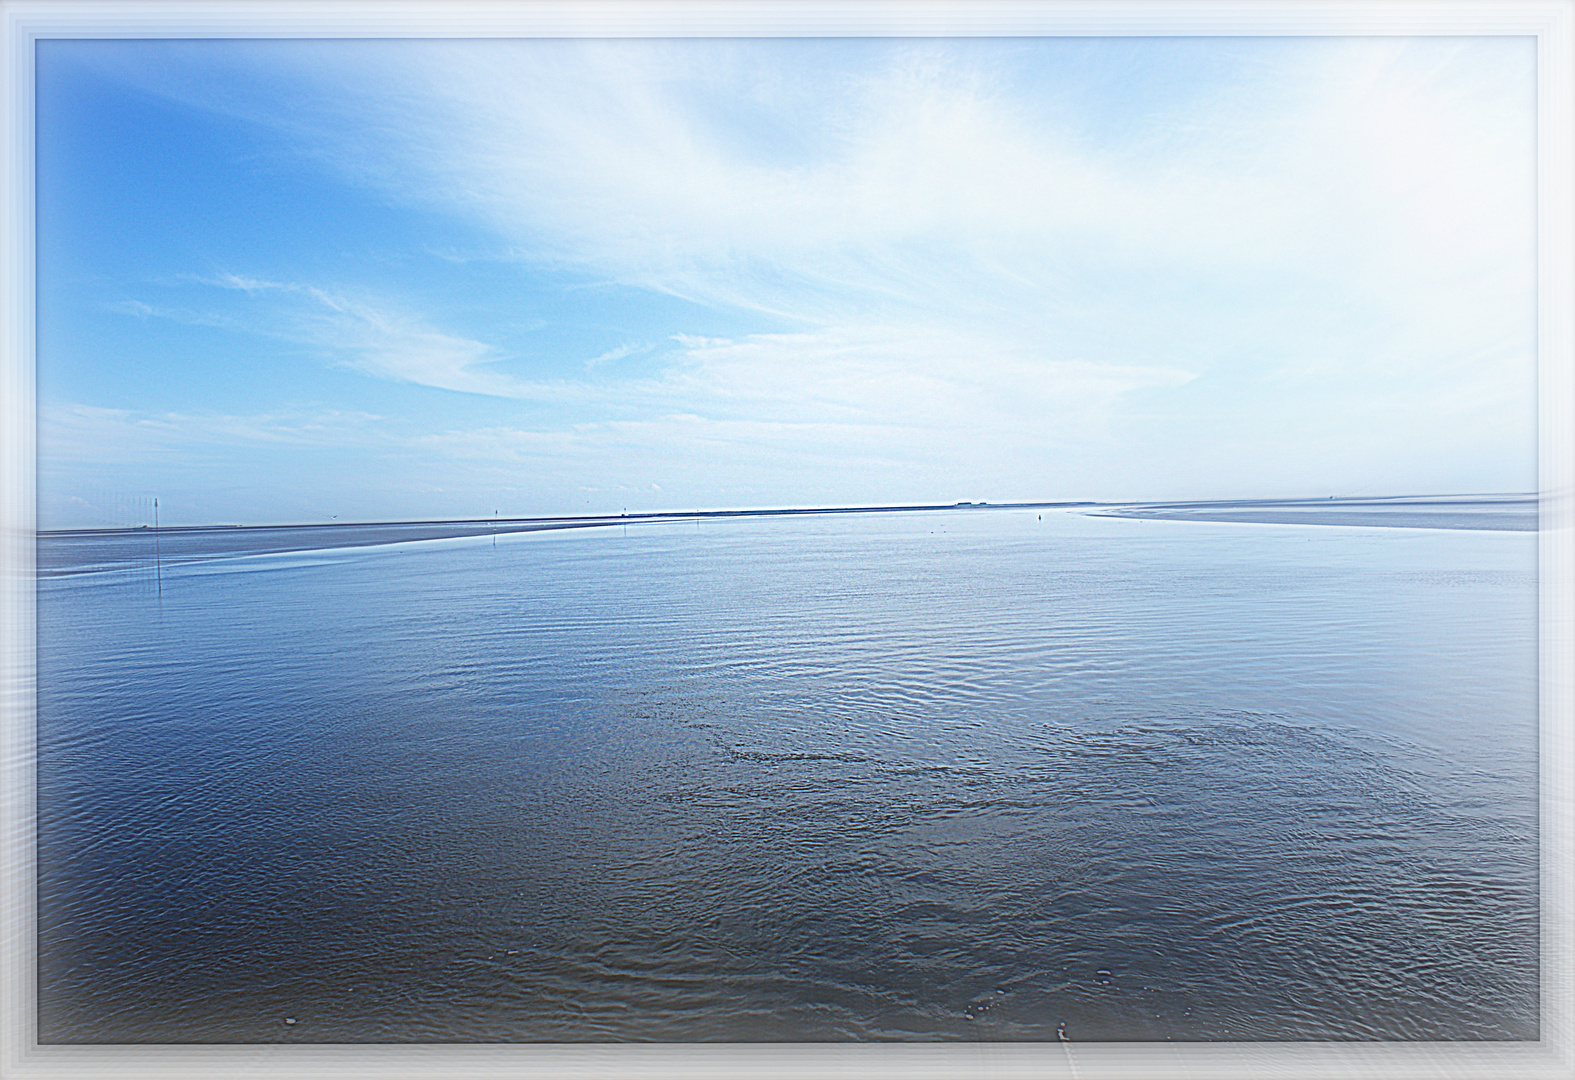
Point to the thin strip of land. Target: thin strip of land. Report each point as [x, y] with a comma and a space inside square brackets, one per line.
[75, 551]
[1508, 513]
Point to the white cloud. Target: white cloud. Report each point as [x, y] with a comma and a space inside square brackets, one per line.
[72, 433]
[976, 271]
[382, 340]
[617, 353]
[909, 377]
[131, 307]
[915, 175]
[919, 179]
[862, 413]
[248, 284]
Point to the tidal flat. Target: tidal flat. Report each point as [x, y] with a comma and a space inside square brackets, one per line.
[981, 774]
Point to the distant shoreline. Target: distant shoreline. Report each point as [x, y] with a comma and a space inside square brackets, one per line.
[65, 552]
[523, 524]
[1491, 513]
[1514, 512]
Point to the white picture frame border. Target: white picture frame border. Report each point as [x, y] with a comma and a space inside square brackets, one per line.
[1551, 22]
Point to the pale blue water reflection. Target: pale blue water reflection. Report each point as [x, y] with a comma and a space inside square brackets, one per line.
[962, 775]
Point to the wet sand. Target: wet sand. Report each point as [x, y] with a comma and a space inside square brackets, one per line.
[1512, 513]
[66, 551]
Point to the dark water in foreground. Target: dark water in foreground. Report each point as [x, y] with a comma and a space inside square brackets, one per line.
[968, 775]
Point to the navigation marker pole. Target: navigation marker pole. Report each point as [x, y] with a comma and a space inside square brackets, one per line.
[158, 563]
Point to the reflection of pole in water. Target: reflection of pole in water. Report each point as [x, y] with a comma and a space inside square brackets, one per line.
[158, 563]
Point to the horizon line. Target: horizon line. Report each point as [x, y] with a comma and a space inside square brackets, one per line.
[784, 511]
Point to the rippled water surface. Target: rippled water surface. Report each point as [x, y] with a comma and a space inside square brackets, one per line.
[961, 775]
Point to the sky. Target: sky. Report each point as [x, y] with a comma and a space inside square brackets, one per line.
[292, 281]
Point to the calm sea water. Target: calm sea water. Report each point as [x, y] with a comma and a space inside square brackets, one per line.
[967, 775]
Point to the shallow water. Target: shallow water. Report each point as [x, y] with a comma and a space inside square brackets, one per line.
[960, 775]
[1512, 512]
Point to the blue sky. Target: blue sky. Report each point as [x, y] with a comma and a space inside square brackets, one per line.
[298, 280]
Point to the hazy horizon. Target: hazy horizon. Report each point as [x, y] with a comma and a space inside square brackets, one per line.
[130, 509]
[293, 281]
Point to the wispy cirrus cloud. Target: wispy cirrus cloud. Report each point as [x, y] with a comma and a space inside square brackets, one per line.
[894, 377]
[933, 176]
[87, 434]
[924, 177]
[865, 415]
[378, 338]
[617, 353]
[1224, 263]
[905, 376]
